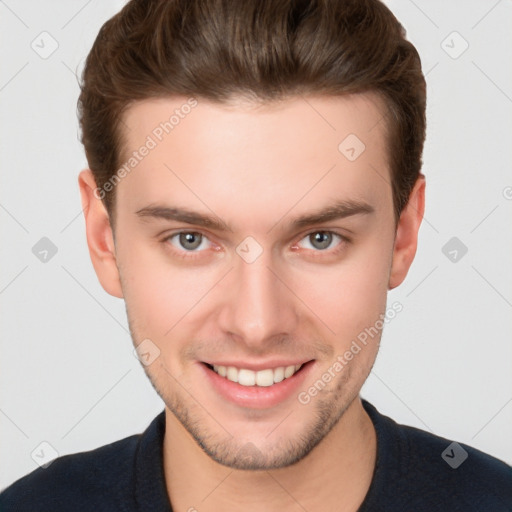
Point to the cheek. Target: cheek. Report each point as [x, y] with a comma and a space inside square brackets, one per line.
[347, 297]
[350, 296]
[157, 292]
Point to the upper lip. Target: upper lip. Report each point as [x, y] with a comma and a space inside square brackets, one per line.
[257, 366]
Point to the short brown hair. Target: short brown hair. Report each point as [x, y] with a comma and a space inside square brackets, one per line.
[263, 49]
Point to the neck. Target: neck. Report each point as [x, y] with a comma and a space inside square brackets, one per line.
[335, 475]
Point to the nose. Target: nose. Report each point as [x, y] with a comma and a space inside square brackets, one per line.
[257, 305]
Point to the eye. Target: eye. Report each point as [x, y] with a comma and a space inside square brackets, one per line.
[190, 243]
[188, 240]
[322, 240]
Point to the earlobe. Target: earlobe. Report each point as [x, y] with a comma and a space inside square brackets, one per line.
[406, 240]
[99, 234]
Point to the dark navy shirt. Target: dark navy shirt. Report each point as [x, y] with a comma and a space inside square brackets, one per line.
[415, 471]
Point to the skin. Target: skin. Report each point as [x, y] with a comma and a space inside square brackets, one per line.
[256, 167]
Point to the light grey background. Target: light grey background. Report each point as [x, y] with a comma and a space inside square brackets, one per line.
[68, 374]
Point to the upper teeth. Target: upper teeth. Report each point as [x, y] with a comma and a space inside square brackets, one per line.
[251, 378]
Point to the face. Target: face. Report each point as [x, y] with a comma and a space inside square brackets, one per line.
[252, 241]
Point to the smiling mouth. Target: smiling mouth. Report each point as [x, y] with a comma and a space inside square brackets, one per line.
[263, 378]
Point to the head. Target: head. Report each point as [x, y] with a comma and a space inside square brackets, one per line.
[254, 191]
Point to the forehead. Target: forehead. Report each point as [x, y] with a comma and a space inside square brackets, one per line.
[244, 156]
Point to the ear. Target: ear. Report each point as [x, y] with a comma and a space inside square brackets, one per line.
[100, 239]
[406, 239]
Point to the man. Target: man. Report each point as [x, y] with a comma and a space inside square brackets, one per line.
[254, 191]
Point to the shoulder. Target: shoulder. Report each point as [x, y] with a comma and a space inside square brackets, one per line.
[422, 471]
[458, 472]
[98, 478]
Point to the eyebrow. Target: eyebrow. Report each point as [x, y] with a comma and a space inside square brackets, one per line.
[337, 210]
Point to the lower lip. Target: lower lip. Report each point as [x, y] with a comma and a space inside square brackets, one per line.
[257, 397]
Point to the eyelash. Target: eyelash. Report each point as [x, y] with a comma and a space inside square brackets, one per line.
[188, 255]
